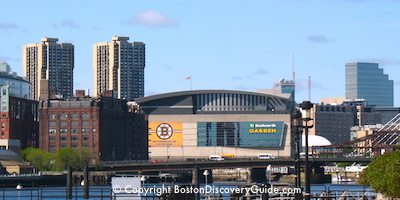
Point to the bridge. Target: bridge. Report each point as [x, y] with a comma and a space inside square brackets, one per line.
[124, 167]
[386, 139]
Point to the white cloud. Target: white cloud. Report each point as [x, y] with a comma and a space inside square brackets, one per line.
[70, 23]
[151, 18]
[5, 58]
[302, 85]
[238, 78]
[318, 39]
[381, 61]
[8, 26]
[261, 71]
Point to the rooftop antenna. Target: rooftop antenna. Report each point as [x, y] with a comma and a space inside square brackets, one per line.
[309, 88]
[293, 78]
[294, 73]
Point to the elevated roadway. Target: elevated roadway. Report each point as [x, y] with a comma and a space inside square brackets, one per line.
[126, 166]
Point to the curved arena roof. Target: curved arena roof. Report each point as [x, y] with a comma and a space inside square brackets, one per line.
[206, 101]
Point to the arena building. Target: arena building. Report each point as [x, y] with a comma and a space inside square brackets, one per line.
[198, 123]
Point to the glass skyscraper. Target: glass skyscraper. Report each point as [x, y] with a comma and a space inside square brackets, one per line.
[367, 81]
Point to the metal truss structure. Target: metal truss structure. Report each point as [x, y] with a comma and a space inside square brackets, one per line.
[386, 139]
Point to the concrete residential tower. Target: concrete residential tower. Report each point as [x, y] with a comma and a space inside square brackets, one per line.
[119, 66]
[367, 81]
[49, 61]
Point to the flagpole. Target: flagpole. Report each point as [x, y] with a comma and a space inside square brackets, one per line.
[189, 78]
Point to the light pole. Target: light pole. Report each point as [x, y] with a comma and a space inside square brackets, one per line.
[296, 133]
[306, 107]
[206, 173]
[269, 169]
[19, 188]
[143, 179]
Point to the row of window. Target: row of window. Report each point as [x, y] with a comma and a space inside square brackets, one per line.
[73, 116]
[53, 146]
[73, 130]
[73, 123]
[53, 138]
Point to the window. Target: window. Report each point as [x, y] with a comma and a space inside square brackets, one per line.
[63, 130]
[52, 146]
[52, 138]
[2, 125]
[52, 131]
[85, 130]
[85, 123]
[74, 115]
[74, 123]
[63, 145]
[52, 123]
[74, 138]
[52, 116]
[63, 116]
[74, 131]
[94, 130]
[85, 116]
[74, 145]
[63, 124]
[85, 138]
[63, 138]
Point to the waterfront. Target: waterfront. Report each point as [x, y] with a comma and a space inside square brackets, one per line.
[335, 191]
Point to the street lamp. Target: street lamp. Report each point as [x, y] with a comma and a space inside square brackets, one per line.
[296, 133]
[269, 169]
[143, 179]
[206, 173]
[19, 188]
[306, 107]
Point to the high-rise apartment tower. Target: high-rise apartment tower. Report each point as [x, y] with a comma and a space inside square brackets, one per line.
[367, 81]
[49, 61]
[119, 66]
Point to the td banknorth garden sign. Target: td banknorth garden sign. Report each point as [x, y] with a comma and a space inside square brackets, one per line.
[162, 134]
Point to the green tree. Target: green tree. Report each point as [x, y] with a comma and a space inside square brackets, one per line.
[38, 158]
[67, 157]
[383, 174]
[86, 156]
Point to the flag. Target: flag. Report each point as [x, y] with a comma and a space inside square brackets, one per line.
[188, 78]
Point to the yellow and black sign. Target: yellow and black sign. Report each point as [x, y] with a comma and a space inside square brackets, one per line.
[162, 134]
[262, 130]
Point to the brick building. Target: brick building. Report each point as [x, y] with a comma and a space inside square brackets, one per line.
[19, 119]
[103, 124]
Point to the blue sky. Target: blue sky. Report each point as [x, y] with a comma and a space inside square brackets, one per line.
[238, 45]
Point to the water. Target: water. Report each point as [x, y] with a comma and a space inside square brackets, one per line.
[105, 192]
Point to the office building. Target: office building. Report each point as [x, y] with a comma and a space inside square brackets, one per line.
[334, 121]
[18, 87]
[119, 66]
[367, 81]
[198, 123]
[50, 61]
[283, 88]
[105, 125]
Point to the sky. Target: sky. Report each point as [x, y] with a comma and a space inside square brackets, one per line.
[222, 44]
